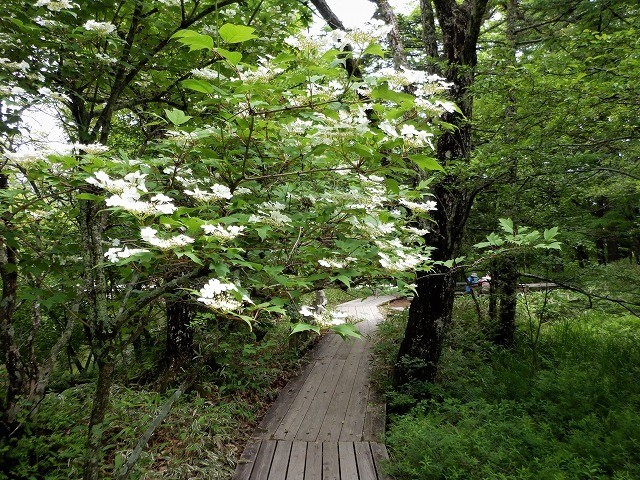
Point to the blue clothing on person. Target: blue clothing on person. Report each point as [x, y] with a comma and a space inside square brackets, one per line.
[471, 281]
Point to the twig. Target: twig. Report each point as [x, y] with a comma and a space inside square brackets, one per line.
[590, 295]
[144, 438]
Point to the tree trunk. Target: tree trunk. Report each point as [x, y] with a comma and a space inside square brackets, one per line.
[8, 301]
[431, 310]
[98, 412]
[506, 282]
[179, 343]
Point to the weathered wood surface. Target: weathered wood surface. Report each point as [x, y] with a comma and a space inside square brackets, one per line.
[326, 423]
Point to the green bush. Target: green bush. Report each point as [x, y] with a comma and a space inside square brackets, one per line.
[563, 406]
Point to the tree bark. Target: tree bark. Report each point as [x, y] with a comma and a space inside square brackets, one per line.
[431, 310]
[179, 342]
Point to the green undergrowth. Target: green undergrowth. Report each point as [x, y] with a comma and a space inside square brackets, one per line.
[200, 439]
[563, 404]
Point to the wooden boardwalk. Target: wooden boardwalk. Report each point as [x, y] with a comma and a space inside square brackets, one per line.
[326, 423]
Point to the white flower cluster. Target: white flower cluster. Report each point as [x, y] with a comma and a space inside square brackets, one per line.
[416, 231]
[335, 263]
[22, 66]
[223, 233]
[328, 319]
[206, 74]
[218, 296]
[115, 254]
[126, 194]
[424, 207]
[271, 214]
[55, 5]
[133, 180]
[263, 73]
[218, 192]
[150, 235]
[374, 227]
[411, 136]
[350, 123]
[396, 257]
[100, 28]
[26, 158]
[358, 38]
[129, 200]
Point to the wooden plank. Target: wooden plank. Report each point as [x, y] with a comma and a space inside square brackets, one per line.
[263, 461]
[353, 426]
[317, 411]
[348, 467]
[330, 461]
[297, 461]
[280, 462]
[364, 460]
[375, 417]
[380, 456]
[313, 464]
[281, 406]
[290, 423]
[247, 460]
[325, 347]
[330, 426]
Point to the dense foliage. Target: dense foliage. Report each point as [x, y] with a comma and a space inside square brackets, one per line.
[563, 403]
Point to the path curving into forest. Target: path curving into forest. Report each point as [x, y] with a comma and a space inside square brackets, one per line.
[327, 422]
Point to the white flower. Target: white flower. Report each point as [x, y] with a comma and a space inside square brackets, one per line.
[401, 261]
[149, 235]
[116, 254]
[55, 5]
[242, 191]
[219, 296]
[263, 73]
[221, 191]
[100, 28]
[222, 232]
[420, 207]
[206, 74]
[334, 263]
[26, 158]
[417, 231]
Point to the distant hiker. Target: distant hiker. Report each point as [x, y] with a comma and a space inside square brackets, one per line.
[485, 283]
[472, 281]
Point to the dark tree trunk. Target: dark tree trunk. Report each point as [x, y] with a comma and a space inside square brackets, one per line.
[8, 301]
[613, 250]
[98, 412]
[506, 283]
[431, 310]
[179, 344]
[582, 256]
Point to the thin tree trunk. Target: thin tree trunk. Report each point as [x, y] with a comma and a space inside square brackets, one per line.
[98, 412]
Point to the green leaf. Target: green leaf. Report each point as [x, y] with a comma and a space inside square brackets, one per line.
[193, 257]
[344, 279]
[506, 224]
[304, 327]
[346, 330]
[232, 57]
[426, 162]
[198, 85]
[231, 33]
[177, 117]
[374, 49]
[551, 233]
[194, 40]
[88, 196]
